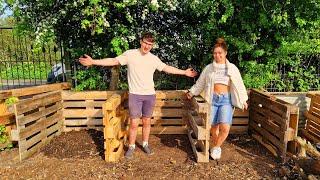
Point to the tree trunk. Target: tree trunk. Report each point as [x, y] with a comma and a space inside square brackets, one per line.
[115, 71]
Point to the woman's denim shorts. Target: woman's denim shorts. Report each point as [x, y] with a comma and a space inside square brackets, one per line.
[222, 109]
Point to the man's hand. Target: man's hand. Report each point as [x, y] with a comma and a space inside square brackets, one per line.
[86, 60]
[190, 72]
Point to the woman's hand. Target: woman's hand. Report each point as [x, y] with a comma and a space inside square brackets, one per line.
[245, 106]
[189, 95]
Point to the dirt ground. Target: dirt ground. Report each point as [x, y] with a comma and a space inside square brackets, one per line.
[79, 155]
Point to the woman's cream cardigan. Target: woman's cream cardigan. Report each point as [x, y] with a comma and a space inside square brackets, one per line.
[206, 81]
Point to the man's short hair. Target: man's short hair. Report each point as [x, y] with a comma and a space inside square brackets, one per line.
[148, 36]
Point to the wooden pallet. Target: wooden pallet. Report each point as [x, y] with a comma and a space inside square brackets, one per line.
[83, 110]
[38, 120]
[200, 148]
[240, 122]
[272, 122]
[114, 129]
[312, 130]
[28, 92]
[168, 114]
[198, 116]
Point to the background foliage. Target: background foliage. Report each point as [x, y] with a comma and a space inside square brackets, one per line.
[272, 42]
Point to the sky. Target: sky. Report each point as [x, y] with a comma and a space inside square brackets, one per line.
[7, 12]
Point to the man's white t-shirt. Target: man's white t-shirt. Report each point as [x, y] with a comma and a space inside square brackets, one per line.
[140, 70]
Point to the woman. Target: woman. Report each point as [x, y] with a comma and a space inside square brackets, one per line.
[224, 89]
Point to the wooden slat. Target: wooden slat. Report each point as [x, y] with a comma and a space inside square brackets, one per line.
[68, 129]
[200, 132]
[270, 103]
[82, 104]
[312, 117]
[163, 121]
[240, 121]
[38, 89]
[166, 130]
[200, 156]
[70, 95]
[173, 94]
[314, 124]
[114, 156]
[240, 113]
[39, 125]
[112, 102]
[74, 113]
[267, 125]
[160, 103]
[31, 104]
[167, 112]
[280, 121]
[81, 122]
[267, 135]
[239, 130]
[269, 146]
[42, 113]
[5, 95]
[40, 137]
[313, 130]
[7, 119]
[309, 136]
[199, 105]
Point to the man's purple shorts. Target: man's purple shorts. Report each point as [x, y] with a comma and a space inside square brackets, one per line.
[141, 105]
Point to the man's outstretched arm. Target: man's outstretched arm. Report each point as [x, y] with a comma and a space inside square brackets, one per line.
[172, 70]
[88, 61]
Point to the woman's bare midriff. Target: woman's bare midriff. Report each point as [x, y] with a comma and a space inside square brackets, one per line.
[221, 88]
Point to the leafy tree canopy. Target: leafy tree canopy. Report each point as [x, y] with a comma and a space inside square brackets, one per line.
[262, 35]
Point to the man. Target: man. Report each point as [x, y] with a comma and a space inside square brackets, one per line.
[141, 67]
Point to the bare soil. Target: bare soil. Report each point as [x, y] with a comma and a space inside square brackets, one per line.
[80, 155]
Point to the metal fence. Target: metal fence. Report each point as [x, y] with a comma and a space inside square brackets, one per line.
[24, 63]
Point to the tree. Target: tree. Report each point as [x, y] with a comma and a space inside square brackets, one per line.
[262, 35]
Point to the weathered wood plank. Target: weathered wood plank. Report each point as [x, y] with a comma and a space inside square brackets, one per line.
[71, 95]
[200, 156]
[39, 125]
[21, 121]
[171, 94]
[200, 132]
[167, 112]
[312, 117]
[267, 135]
[5, 95]
[74, 113]
[112, 102]
[168, 103]
[166, 130]
[82, 104]
[240, 113]
[240, 121]
[7, 119]
[38, 89]
[81, 122]
[31, 104]
[68, 129]
[239, 129]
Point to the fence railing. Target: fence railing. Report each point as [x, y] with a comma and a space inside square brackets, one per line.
[24, 63]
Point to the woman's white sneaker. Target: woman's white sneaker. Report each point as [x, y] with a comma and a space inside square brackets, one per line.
[215, 153]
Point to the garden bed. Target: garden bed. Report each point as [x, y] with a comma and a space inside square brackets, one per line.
[80, 155]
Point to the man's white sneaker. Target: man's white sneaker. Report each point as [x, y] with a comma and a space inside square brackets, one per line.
[215, 153]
